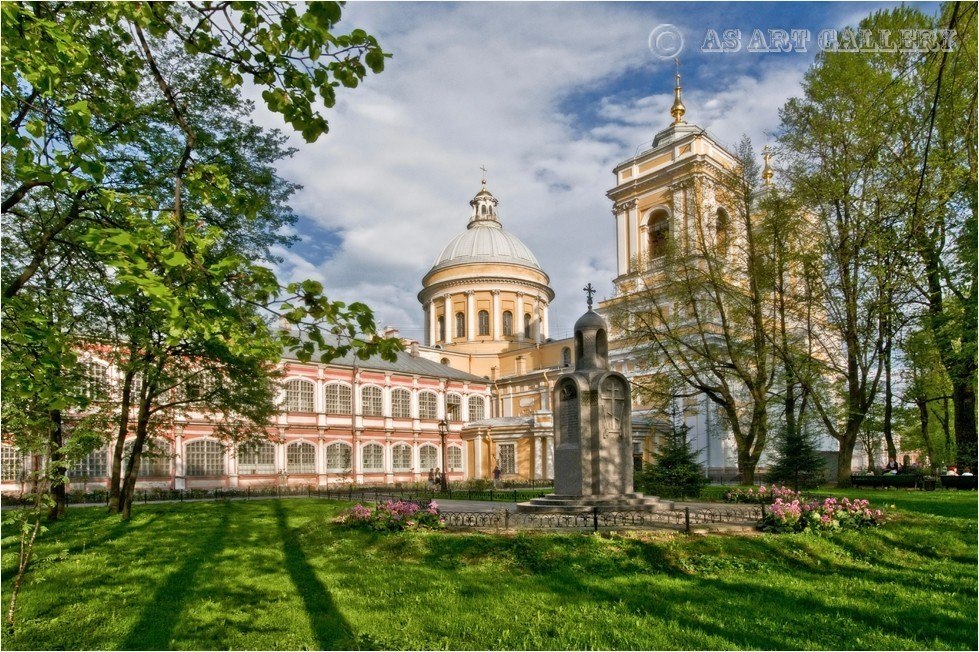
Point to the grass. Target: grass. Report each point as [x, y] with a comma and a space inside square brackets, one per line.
[277, 574]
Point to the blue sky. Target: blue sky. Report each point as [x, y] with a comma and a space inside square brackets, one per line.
[549, 97]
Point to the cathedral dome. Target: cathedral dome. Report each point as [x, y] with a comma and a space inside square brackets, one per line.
[485, 240]
[485, 243]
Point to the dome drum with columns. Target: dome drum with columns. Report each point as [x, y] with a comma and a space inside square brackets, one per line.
[486, 292]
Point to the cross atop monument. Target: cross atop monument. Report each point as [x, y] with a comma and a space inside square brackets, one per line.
[483, 168]
[589, 290]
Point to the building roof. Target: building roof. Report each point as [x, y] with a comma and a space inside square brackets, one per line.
[405, 364]
[485, 240]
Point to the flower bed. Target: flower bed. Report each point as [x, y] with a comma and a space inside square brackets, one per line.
[815, 515]
[764, 496]
[393, 516]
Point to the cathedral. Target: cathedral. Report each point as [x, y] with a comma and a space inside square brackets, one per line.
[475, 396]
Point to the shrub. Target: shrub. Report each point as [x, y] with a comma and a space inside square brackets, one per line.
[798, 461]
[675, 472]
[764, 495]
[393, 516]
[816, 516]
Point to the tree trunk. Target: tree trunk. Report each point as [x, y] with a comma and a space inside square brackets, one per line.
[964, 409]
[845, 462]
[888, 397]
[746, 466]
[925, 435]
[57, 473]
[117, 451]
[132, 468]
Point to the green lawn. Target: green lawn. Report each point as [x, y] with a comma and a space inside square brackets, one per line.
[276, 574]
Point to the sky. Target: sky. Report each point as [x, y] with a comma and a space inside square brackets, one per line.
[549, 97]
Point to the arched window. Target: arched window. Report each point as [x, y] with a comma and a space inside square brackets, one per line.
[722, 225]
[442, 328]
[455, 458]
[526, 324]
[428, 457]
[460, 324]
[659, 233]
[477, 408]
[338, 457]
[373, 457]
[483, 322]
[96, 381]
[93, 465]
[453, 407]
[204, 458]
[400, 403]
[11, 464]
[428, 405]
[154, 460]
[257, 458]
[401, 457]
[299, 396]
[371, 402]
[566, 356]
[338, 399]
[507, 323]
[301, 457]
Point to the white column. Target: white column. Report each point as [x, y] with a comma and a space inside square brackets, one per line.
[478, 456]
[621, 248]
[449, 319]
[537, 321]
[179, 468]
[497, 317]
[544, 326]
[518, 318]
[432, 323]
[470, 315]
[632, 219]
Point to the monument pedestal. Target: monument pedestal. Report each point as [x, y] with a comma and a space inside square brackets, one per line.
[593, 433]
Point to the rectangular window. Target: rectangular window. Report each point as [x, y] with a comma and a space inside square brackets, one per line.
[301, 458]
[476, 408]
[338, 458]
[255, 459]
[453, 407]
[427, 405]
[507, 458]
[93, 465]
[401, 455]
[338, 399]
[372, 404]
[12, 464]
[455, 458]
[299, 396]
[401, 404]
[373, 457]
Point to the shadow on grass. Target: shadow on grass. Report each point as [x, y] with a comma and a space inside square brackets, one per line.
[330, 628]
[156, 624]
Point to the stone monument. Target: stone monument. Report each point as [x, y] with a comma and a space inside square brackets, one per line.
[592, 409]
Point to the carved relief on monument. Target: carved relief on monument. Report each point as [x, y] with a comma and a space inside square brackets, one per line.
[568, 417]
[612, 400]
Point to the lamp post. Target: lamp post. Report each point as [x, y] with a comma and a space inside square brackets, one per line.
[443, 432]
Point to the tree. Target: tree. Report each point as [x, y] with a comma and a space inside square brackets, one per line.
[675, 472]
[703, 315]
[115, 169]
[797, 460]
[837, 139]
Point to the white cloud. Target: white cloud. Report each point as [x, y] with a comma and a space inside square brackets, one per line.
[474, 84]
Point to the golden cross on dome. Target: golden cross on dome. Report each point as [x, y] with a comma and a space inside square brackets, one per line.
[483, 168]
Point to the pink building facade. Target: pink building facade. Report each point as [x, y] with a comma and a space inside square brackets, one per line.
[364, 422]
